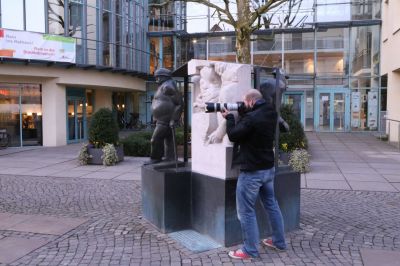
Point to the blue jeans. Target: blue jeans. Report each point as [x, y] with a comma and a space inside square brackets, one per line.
[249, 186]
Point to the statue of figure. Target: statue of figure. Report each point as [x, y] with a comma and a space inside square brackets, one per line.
[166, 108]
[230, 92]
[210, 86]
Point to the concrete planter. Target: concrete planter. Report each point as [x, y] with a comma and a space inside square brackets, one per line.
[284, 157]
[96, 154]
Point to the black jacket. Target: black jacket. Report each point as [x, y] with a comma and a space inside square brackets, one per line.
[253, 136]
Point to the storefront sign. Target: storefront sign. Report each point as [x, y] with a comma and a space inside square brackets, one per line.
[355, 109]
[30, 45]
[372, 109]
[355, 101]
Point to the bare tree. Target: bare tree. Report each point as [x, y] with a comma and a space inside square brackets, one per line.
[249, 16]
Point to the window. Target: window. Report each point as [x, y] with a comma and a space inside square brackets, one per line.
[56, 17]
[12, 15]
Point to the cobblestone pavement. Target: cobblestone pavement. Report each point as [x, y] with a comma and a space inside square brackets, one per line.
[335, 224]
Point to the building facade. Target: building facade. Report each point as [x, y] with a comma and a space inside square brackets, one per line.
[63, 60]
[390, 67]
[330, 51]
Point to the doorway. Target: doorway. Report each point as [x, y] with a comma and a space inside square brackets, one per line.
[77, 115]
[332, 111]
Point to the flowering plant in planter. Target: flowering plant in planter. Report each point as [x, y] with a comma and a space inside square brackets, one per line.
[84, 155]
[103, 133]
[300, 160]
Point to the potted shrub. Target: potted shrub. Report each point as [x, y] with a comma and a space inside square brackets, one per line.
[295, 138]
[103, 147]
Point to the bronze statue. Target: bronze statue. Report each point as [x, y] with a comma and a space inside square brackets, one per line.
[166, 108]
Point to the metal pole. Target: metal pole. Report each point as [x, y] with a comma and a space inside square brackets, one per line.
[398, 135]
[185, 117]
[174, 141]
[277, 108]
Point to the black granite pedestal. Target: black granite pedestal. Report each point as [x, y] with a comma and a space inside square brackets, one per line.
[214, 206]
[176, 200]
[166, 197]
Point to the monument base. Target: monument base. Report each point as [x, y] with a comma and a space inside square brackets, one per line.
[176, 200]
[166, 196]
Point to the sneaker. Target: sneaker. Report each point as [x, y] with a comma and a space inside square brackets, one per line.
[239, 254]
[268, 243]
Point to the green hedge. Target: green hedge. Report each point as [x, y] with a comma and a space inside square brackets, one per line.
[138, 143]
[295, 138]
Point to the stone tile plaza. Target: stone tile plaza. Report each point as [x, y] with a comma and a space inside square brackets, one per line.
[54, 212]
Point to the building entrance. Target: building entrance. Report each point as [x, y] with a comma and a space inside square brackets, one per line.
[76, 119]
[332, 111]
[76, 115]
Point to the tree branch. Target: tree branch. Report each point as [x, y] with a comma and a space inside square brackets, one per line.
[230, 17]
[264, 8]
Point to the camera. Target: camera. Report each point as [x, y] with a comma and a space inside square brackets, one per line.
[219, 107]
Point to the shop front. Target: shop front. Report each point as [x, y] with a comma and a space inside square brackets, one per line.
[21, 113]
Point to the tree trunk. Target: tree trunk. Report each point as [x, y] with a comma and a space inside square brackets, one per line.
[243, 32]
[243, 53]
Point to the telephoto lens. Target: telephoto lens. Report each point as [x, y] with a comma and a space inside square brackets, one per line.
[219, 107]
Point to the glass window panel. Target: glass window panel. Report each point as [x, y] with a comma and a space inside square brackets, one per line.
[271, 42]
[71, 119]
[9, 112]
[91, 3]
[91, 23]
[118, 40]
[299, 63]
[107, 5]
[324, 111]
[366, 9]
[12, 14]
[107, 60]
[154, 54]
[332, 45]
[79, 51]
[309, 112]
[91, 52]
[338, 111]
[222, 48]
[198, 48]
[35, 20]
[333, 10]
[330, 81]
[364, 50]
[197, 19]
[267, 59]
[299, 41]
[75, 20]
[31, 112]
[56, 17]
[168, 52]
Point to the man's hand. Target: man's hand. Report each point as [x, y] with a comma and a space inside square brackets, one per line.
[224, 113]
[172, 123]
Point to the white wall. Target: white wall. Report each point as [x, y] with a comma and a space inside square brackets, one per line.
[54, 114]
[102, 98]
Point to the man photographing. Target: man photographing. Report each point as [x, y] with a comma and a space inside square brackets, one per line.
[253, 136]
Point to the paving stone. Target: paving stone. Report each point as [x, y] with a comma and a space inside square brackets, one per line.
[335, 225]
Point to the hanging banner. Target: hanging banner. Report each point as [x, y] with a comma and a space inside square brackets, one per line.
[37, 46]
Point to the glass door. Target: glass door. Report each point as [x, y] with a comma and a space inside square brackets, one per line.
[324, 113]
[76, 121]
[332, 111]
